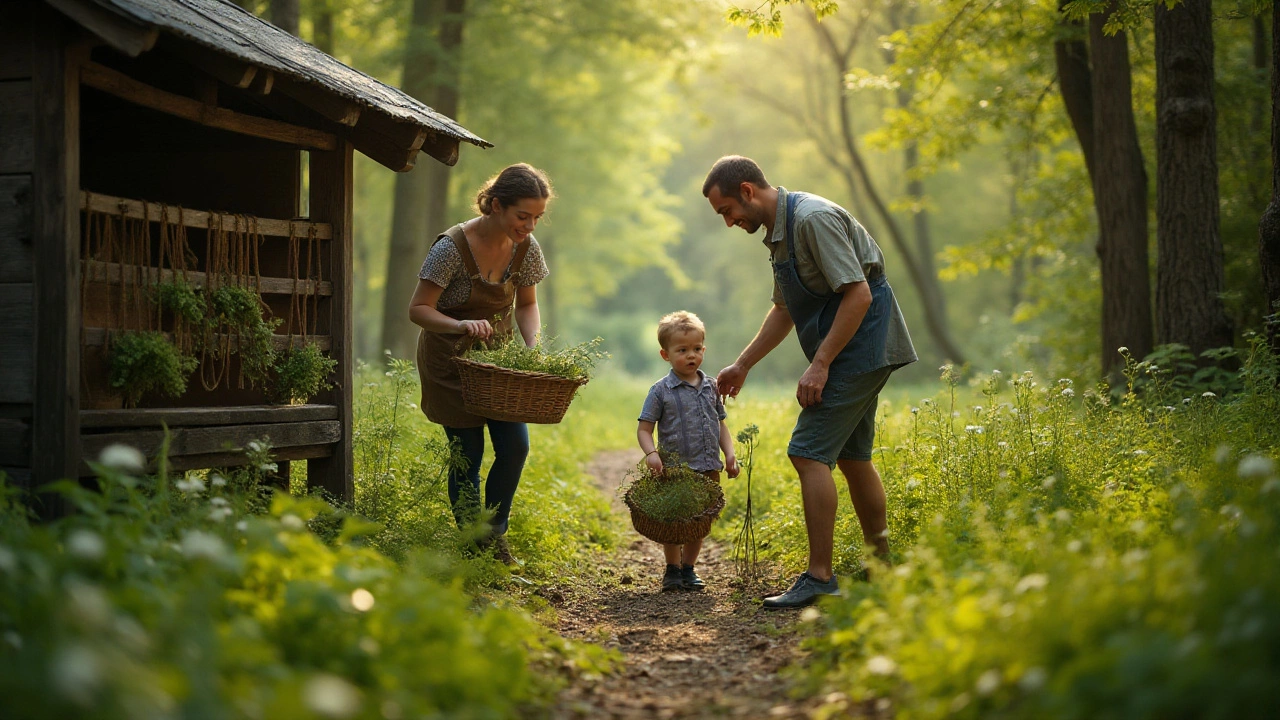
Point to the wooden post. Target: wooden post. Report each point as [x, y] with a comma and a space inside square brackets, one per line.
[56, 232]
[331, 186]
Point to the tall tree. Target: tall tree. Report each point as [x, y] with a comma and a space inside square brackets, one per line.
[1120, 197]
[1075, 80]
[1269, 228]
[431, 71]
[1189, 274]
[285, 15]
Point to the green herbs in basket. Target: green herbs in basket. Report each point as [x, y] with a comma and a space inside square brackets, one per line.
[575, 362]
[679, 493]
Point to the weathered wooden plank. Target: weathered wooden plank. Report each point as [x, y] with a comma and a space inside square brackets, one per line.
[17, 141]
[193, 417]
[281, 457]
[218, 439]
[15, 40]
[233, 72]
[334, 107]
[111, 274]
[331, 201]
[392, 144]
[98, 336]
[17, 369]
[56, 241]
[124, 87]
[115, 29]
[17, 261]
[138, 209]
[15, 443]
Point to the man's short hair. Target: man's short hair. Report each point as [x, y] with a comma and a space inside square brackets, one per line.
[680, 321]
[730, 172]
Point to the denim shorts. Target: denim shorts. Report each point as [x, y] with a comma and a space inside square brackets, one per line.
[843, 425]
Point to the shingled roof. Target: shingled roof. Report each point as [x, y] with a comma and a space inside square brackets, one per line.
[228, 30]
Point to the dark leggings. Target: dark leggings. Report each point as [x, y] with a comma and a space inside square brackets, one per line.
[510, 448]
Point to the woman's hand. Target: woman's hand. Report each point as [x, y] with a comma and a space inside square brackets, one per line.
[479, 329]
[654, 461]
[731, 466]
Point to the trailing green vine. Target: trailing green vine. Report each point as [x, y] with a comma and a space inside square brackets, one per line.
[142, 362]
[301, 372]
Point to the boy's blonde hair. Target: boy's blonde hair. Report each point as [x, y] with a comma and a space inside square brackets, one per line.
[680, 321]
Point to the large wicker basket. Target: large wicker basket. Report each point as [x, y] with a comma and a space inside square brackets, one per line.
[500, 393]
[680, 531]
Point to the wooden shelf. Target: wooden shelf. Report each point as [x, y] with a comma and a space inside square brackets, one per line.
[98, 336]
[196, 447]
[112, 273]
[197, 416]
[139, 210]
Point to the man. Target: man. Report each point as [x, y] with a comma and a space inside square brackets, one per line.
[829, 284]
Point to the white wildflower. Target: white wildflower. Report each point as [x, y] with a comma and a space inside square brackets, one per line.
[242, 525]
[1074, 546]
[190, 485]
[975, 429]
[8, 560]
[217, 480]
[1222, 454]
[77, 673]
[268, 467]
[1062, 515]
[881, 665]
[1139, 452]
[86, 545]
[219, 502]
[292, 522]
[254, 446]
[912, 484]
[331, 696]
[988, 682]
[218, 514]
[362, 600]
[1035, 581]
[1255, 466]
[1134, 556]
[88, 603]
[13, 639]
[915, 410]
[1033, 679]
[1208, 394]
[1068, 393]
[198, 544]
[1002, 444]
[1049, 482]
[123, 458]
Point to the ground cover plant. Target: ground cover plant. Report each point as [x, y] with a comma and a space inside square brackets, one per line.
[678, 493]
[573, 362]
[1057, 553]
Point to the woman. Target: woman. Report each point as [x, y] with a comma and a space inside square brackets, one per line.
[475, 272]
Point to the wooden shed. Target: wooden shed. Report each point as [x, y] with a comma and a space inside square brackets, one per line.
[147, 140]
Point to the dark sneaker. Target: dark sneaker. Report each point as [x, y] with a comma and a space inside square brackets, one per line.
[803, 592]
[672, 579]
[690, 578]
[502, 551]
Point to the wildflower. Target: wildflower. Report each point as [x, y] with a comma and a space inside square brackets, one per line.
[217, 480]
[1122, 350]
[1062, 515]
[1139, 452]
[881, 665]
[242, 525]
[268, 467]
[190, 485]
[123, 458]
[292, 522]
[988, 682]
[810, 614]
[362, 600]
[1035, 581]
[1068, 393]
[1074, 546]
[1169, 408]
[369, 645]
[86, 545]
[1222, 454]
[912, 484]
[196, 544]
[915, 410]
[331, 696]
[1186, 401]
[8, 560]
[88, 603]
[1002, 444]
[218, 502]
[218, 514]
[1049, 482]
[995, 374]
[975, 429]
[13, 639]
[977, 409]
[254, 446]
[1209, 395]
[1134, 556]
[77, 673]
[1255, 466]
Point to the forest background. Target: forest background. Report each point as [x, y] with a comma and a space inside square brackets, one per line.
[942, 126]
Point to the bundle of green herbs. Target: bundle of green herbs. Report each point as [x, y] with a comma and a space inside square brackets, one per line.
[678, 493]
[575, 362]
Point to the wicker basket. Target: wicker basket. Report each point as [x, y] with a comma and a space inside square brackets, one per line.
[678, 532]
[500, 393]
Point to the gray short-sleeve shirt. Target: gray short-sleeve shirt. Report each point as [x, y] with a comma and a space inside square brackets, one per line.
[444, 267]
[688, 419]
[832, 247]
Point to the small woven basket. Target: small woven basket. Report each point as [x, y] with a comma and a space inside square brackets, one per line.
[500, 393]
[676, 532]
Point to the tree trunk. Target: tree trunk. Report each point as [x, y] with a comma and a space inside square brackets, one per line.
[1269, 228]
[285, 14]
[1120, 197]
[1189, 275]
[1075, 82]
[431, 72]
[322, 26]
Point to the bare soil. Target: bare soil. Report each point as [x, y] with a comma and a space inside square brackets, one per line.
[714, 653]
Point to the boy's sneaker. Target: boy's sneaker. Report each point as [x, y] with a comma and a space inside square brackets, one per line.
[690, 579]
[672, 579]
[803, 592]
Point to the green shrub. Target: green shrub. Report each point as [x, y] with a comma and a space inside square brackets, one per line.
[301, 372]
[238, 311]
[142, 362]
[180, 298]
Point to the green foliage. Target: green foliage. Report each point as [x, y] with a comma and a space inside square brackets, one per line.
[575, 362]
[301, 372]
[142, 362]
[238, 310]
[760, 21]
[678, 493]
[180, 298]
[1171, 373]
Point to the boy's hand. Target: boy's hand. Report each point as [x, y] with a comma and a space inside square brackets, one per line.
[731, 466]
[654, 461]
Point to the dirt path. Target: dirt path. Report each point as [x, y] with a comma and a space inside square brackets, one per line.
[687, 654]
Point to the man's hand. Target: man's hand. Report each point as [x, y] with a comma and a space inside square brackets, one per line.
[809, 391]
[654, 461]
[730, 380]
[731, 466]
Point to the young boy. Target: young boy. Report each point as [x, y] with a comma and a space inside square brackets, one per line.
[689, 416]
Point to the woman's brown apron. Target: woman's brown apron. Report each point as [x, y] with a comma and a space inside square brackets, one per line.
[441, 388]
